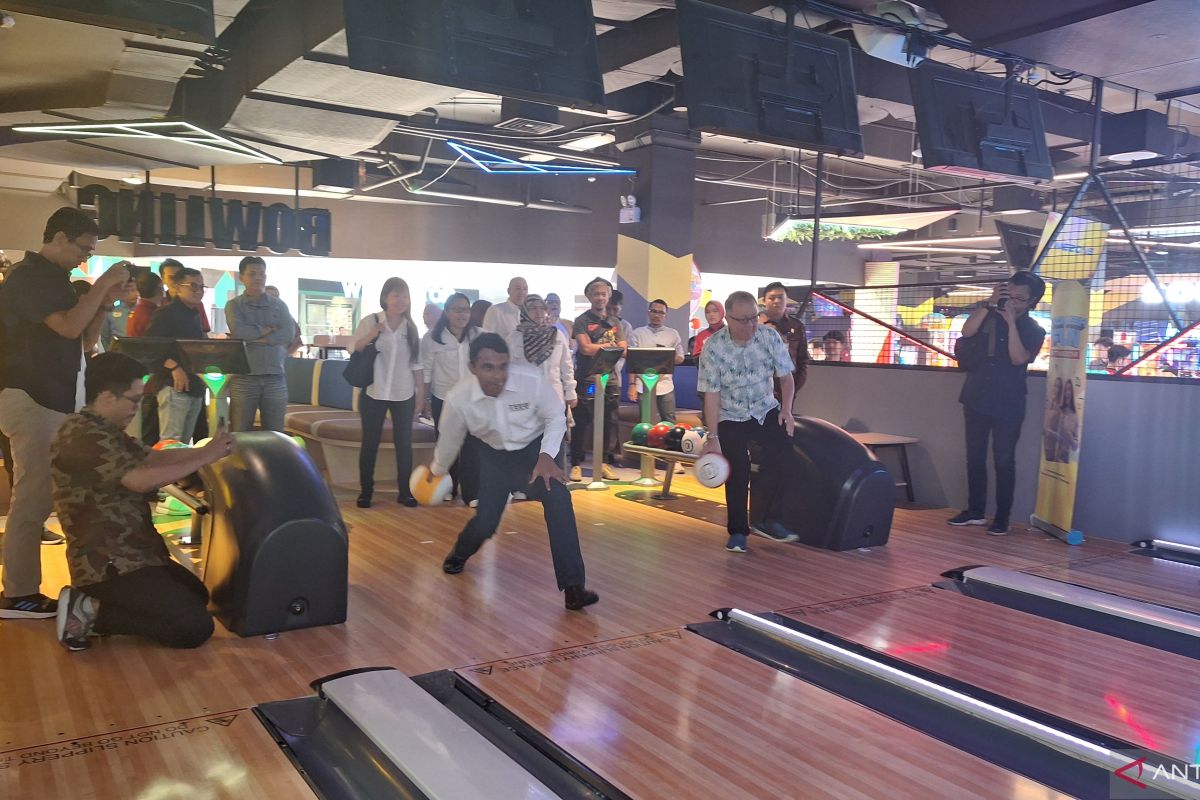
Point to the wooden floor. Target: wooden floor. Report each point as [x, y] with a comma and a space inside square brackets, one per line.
[1155, 580]
[655, 571]
[1095, 680]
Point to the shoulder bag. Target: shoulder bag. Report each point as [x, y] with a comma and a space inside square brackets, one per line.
[360, 372]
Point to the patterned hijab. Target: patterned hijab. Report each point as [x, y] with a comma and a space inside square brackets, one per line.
[539, 339]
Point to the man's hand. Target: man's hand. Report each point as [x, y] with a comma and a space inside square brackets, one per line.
[632, 393]
[546, 470]
[573, 402]
[788, 422]
[220, 446]
[115, 276]
[999, 294]
[180, 379]
[1009, 314]
[711, 445]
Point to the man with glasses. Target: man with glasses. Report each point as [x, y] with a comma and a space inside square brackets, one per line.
[46, 329]
[999, 341]
[180, 395]
[656, 334]
[737, 367]
[123, 580]
[266, 325]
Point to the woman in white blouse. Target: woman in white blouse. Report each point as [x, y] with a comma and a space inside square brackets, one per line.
[445, 354]
[538, 342]
[398, 387]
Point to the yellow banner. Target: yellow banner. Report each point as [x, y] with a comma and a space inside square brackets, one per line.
[1062, 422]
[1075, 254]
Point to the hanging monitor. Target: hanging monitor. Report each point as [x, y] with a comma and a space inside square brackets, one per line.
[755, 78]
[538, 50]
[979, 126]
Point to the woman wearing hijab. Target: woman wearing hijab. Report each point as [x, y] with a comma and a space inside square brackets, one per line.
[538, 342]
[714, 314]
[444, 359]
[397, 388]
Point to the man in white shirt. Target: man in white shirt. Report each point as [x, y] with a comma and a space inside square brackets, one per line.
[503, 318]
[656, 334]
[520, 422]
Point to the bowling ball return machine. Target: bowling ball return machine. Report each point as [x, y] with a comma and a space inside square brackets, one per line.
[834, 493]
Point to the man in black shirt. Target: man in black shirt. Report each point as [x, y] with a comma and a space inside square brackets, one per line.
[46, 330]
[594, 331]
[999, 341]
[789, 328]
[180, 395]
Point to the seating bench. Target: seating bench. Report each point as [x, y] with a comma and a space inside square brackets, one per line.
[323, 410]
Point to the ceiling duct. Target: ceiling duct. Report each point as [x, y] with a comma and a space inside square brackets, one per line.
[287, 55]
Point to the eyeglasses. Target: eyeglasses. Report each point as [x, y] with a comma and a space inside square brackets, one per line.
[743, 320]
[458, 310]
[199, 287]
[658, 311]
[1020, 299]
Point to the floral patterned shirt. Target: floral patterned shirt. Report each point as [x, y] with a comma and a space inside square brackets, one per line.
[108, 527]
[744, 374]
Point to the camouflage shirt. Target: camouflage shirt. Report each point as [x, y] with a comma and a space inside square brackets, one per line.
[108, 527]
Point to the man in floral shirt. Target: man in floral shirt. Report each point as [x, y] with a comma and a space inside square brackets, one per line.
[122, 577]
[737, 368]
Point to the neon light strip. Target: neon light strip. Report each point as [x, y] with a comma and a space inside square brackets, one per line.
[495, 164]
[188, 134]
[1165, 545]
[1052, 737]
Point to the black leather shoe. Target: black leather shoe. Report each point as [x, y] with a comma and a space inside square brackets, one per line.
[453, 566]
[363, 501]
[578, 597]
[409, 501]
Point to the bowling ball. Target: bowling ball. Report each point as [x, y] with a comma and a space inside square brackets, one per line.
[712, 470]
[639, 432]
[429, 492]
[167, 444]
[693, 443]
[683, 425]
[675, 438]
[657, 436]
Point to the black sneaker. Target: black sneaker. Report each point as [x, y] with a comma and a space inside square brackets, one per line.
[452, 565]
[965, 518]
[363, 501]
[75, 618]
[774, 531]
[998, 528]
[50, 537]
[31, 606]
[578, 597]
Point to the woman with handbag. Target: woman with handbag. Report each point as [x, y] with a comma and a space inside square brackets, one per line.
[396, 387]
[444, 362]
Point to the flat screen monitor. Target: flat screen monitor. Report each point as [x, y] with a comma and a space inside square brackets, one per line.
[539, 50]
[755, 78]
[650, 360]
[1020, 243]
[979, 126]
[185, 20]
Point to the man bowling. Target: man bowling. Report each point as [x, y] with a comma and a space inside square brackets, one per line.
[520, 421]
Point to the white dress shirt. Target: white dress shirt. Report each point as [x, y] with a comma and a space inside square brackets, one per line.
[558, 368]
[445, 364]
[662, 336]
[395, 363]
[527, 407]
[502, 318]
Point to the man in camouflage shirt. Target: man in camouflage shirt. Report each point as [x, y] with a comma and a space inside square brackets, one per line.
[122, 577]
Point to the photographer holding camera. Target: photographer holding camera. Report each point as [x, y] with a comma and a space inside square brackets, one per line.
[999, 341]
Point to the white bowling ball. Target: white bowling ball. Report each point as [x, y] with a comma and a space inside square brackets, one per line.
[712, 470]
[693, 443]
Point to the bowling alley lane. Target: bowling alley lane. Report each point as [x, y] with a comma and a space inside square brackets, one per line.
[671, 714]
[1139, 577]
[1142, 695]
